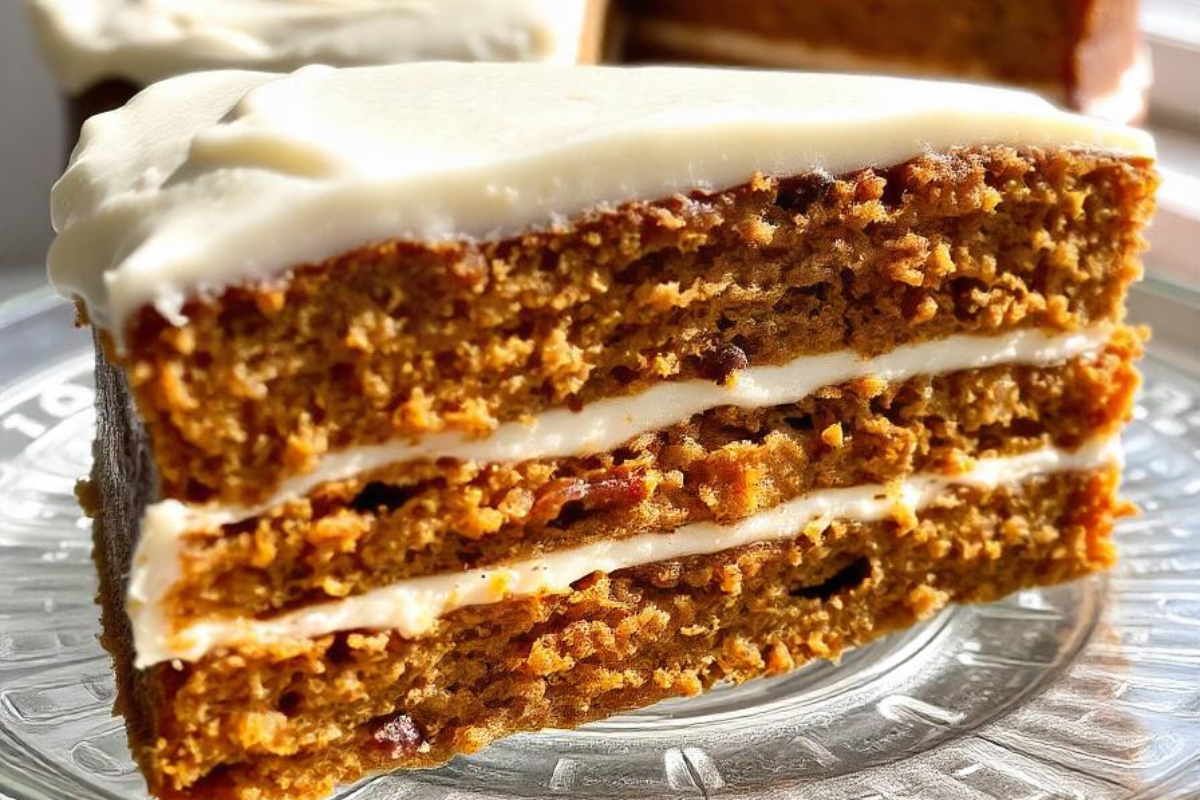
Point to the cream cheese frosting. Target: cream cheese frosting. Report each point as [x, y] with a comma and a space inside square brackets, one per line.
[413, 606]
[144, 41]
[213, 179]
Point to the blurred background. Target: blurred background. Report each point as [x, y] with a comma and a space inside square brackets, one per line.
[31, 146]
[32, 131]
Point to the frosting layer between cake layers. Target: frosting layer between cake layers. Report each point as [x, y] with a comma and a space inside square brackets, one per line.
[144, 41]
[606, 424]
[413, 606]
[213, 179]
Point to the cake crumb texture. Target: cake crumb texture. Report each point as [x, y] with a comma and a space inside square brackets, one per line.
[401, 338]
[290, 719]
[434, 517]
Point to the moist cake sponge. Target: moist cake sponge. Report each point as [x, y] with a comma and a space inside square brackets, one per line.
[427, 419]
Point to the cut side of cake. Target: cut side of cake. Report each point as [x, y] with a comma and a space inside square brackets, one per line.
[441, 402]
[1084, 54]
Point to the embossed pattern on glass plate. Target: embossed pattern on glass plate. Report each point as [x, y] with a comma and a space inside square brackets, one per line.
[1090, 690]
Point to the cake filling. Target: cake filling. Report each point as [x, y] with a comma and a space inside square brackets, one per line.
[606, 424]
[413, 606]
[421, 518]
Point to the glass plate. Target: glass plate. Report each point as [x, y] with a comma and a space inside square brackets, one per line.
[1090, 690]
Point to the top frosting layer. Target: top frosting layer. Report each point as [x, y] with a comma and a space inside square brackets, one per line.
[218, 178]
[148, 40]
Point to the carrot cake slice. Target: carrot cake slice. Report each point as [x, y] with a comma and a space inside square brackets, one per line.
[103, 51]
[1086, 54]
[440, 402]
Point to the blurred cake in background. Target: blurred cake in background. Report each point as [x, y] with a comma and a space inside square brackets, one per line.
[103, 51]
[1084, 54]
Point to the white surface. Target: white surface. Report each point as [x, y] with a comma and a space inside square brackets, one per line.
[1172, 29]
[413, 606]
[144, 41]
[1175, 231]
[217, 178]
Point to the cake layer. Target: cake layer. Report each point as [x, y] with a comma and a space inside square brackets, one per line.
[407, 339]
[1076, 52]
[143, 41]
[612, 422]
[414, 607]
[310, 713]
[218, 179]
[427, 518]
